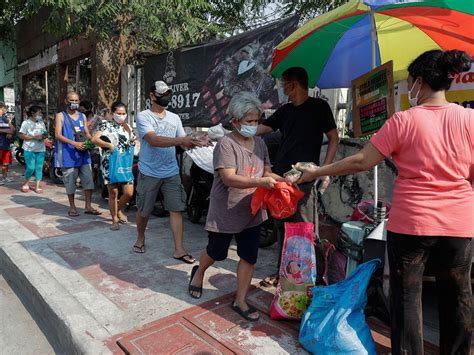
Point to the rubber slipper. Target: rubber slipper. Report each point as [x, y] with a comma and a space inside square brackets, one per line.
[123, 221]
[139, 250]
[270, 281]
[73, 214]
[115, 227]
[182, 258]
[93, 212]
[192, 288]
[246, 314]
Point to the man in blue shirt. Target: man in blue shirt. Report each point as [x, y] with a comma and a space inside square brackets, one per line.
[70, 153]
[160, 131]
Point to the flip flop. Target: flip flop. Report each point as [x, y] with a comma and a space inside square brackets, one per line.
[73, 214]
[245, 314]
[39, 191]
[182, 258]
[115, 227]
[123, 221]
[139, 250]
[192, 288]
[270, 281]
[93, 212]
[25, 188]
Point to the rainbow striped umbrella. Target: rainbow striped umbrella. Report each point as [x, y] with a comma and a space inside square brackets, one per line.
[338, 46]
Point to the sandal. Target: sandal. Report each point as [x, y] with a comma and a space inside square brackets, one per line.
[270, 281]
[246, 314]
[139, 249]
[122, 220]
[93, 212]
[115, 227]
[188, 260]
[73, 214]
[25, 188]
[192, 288]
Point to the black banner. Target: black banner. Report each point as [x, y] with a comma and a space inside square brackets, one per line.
[205, 77]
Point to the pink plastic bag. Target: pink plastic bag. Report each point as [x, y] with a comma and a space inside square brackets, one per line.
[297, 272]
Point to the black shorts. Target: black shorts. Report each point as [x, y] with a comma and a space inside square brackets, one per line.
[247, 244]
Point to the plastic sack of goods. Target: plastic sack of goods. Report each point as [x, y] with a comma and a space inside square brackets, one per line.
[335, 322]
[297, 272]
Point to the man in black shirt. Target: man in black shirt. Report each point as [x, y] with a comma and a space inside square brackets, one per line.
[302, 123]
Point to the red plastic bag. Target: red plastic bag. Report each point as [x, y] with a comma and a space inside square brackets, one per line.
[297, 272]
[364, 211]
[281, 202]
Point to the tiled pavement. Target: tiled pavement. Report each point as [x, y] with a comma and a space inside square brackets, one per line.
[104, 293]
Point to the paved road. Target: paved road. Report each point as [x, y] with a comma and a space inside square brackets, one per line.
[19, 333]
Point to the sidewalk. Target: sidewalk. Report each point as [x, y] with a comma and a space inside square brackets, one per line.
[97, 296]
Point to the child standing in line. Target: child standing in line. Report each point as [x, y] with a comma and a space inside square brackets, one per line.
[33, 133]
[6, 134]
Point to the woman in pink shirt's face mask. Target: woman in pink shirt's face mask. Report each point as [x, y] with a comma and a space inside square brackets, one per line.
[432, 215]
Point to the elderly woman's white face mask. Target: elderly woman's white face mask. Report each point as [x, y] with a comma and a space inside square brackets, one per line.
[247, 125]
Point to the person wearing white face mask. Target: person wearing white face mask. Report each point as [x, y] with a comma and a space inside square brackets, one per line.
[432, 215]
[241, 164]
[303, 122]
[70, 154]
[111, 134]
[33, 133]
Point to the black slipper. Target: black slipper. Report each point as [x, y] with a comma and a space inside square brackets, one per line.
[139, 249]
[93, 212]
[192, 288]
[245, 314]
[182, 258]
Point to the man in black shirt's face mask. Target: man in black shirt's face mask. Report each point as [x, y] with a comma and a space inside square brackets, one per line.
[302, 122]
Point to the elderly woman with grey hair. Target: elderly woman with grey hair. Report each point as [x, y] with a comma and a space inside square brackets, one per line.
[241, 164]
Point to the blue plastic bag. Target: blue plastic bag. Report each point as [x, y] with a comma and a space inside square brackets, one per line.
[335, 322]
[120, 166]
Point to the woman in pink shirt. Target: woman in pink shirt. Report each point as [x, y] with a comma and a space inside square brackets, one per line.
[432, 213]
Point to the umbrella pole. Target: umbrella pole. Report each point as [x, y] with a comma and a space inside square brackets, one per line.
[373, 41]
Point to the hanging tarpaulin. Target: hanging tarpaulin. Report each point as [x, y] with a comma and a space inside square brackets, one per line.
[373, 100]
[204, 78]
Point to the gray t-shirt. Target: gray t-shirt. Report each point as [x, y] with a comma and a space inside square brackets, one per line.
[229, 209]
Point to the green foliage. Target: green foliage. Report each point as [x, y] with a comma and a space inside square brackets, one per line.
[159, 24]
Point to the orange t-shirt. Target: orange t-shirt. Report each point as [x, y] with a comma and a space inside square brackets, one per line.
[432, 147]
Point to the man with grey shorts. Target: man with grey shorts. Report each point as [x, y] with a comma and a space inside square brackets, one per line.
[160, 131]
[70, 153]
